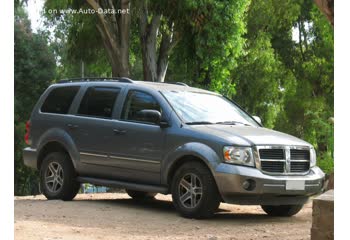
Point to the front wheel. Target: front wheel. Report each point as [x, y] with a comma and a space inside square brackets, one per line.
[282, 210]
[194, 191]
[57, 177]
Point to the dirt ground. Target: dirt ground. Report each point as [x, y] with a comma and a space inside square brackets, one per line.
[116, 216]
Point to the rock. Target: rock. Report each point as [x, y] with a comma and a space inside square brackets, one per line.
[331, 181]
[323, 217]
[212, 237]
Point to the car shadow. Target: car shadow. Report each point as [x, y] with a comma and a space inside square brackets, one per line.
[165, 209]
[154, 206]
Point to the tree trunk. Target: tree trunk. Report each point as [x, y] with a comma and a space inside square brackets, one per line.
[327, 8]
[115, 33]
[155, 63]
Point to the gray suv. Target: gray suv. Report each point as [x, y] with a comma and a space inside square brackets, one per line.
[166, 138]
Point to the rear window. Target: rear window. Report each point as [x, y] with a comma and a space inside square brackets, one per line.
[59, 100]
[98, 102]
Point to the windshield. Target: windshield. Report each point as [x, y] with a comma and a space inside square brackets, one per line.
[202, 108]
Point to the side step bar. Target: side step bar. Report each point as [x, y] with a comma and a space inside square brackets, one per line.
[121, 184]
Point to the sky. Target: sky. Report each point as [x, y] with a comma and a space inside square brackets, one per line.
[34, 7]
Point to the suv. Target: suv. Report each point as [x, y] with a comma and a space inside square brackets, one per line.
[166, 138]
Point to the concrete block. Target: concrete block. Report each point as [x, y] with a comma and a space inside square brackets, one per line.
[323, 217]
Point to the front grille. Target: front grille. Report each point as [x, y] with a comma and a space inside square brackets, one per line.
[271, 154]
[273, 160]
[296, 167]
[272, 166]
[299, 154]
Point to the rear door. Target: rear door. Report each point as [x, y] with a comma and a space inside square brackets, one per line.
[92, 128]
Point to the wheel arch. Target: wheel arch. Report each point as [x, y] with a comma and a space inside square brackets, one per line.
[50, 147]
[57, 140]
[181, 161]
[188, 152]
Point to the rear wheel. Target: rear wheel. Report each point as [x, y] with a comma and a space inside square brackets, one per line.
[138, 195]
[282, 210]
[58, 177]
[194, 191]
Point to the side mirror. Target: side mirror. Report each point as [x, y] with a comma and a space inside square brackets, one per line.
[258, 119]
[148, 115]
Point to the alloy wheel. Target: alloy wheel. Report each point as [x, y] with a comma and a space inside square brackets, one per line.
[54, 177]
[190, 190]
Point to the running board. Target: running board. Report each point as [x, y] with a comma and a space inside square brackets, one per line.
[121, 184]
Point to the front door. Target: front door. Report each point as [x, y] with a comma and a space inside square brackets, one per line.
[138, 142]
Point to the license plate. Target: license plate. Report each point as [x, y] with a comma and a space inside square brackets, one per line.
[295, 185]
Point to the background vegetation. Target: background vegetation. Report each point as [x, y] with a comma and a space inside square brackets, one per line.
[273, 57]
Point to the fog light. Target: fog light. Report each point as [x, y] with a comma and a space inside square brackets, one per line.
[249, 184]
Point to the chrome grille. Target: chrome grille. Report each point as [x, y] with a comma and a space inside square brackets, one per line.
[284, 160]
[271, 153]
[272, 166]
[299, 154]
[296, 167]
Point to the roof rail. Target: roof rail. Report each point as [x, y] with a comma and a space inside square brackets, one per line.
[179, 83]
[97, 79]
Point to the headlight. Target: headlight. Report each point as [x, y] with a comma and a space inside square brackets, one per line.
[239, 155]
[312, 157]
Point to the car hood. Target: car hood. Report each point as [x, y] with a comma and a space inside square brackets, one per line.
[248, 135]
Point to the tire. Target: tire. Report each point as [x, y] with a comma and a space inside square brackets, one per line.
[58, 177]
[282, 210]
[194, 191]
[138, 195]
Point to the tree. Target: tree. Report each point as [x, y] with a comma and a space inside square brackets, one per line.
[161, 26]
[115, 32]
[34, 70]
[112, 30]
[327, 8]
[288, 80]
[261, 77]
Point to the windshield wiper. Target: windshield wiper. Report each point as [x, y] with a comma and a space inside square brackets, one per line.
[232, 123]
[199, 123]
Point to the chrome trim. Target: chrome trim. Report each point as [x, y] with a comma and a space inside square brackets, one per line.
[312, 185]
[273, 160]
[287, 160]
[274, 185]
[93, 154]
[120, 158]
[134, 159]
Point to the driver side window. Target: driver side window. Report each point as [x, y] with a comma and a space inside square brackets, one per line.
[136, 101]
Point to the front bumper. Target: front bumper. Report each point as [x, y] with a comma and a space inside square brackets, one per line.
[268, 190]
[30, 157]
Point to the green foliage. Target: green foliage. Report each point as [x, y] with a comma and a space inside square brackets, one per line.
[217, 29]
[286, 81]
[34, 70]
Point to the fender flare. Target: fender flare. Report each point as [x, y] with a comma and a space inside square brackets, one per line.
[195, 149]
[63, 138]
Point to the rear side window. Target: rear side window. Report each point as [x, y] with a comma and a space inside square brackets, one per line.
[98, 102]
[59, 100]
[137, 101]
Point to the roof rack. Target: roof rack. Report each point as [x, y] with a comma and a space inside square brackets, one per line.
[179, 83]
[97, 79]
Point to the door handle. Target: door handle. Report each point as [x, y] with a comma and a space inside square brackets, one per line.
[119, 131]
[72, 126]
